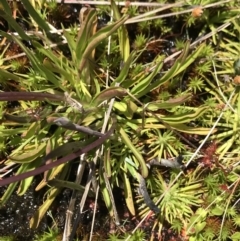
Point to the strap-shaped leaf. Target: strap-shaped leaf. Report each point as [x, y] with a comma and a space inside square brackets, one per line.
[185, 118]
[35, 220]
[106, 195]
[127, 107]
[98, 37]
[137, 154]
[37, 65]
[26, 183]
[190, 59]
[140, 88]
[30, 155]
[12, 22]
[154, 106]
[71, 43]
[144, 85]
[6, 7]
[83, 35]
[124, 44]
[11, 132]
[124, 71]
[128, 194]
[53, 62]
[62, 183]
[109, 93]
[39, 214]
[63, 150]
[182, 128]
[9, 76]
[179, 66]
[7, 194]
[18, 119]
[35, 15]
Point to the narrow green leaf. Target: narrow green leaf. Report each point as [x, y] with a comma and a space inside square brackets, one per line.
[190, 59]
[6, 7]
[47, 52]
[37, 65]
[30, 55]
[109, 93]
[190, 129]
[55, 172]
[131, 109]
[72, 185]
[166, 77]
[128, 194]
[71, 43]
[7, 194]
[184, 53]
[137, 154]
[56, 67]
[153, 106]
[39, 214]
[122, 34]
[140, 89]
[106, 196]
[179, 66]
[11, 132]
[29, 155]
[17, 119]
[184, 118]
[35, 15]
[64, 149]
[98, 37]
[124, 72]
[12, 22]
[121, 106]
[26, 183]
[83, 35]
[126, 107]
